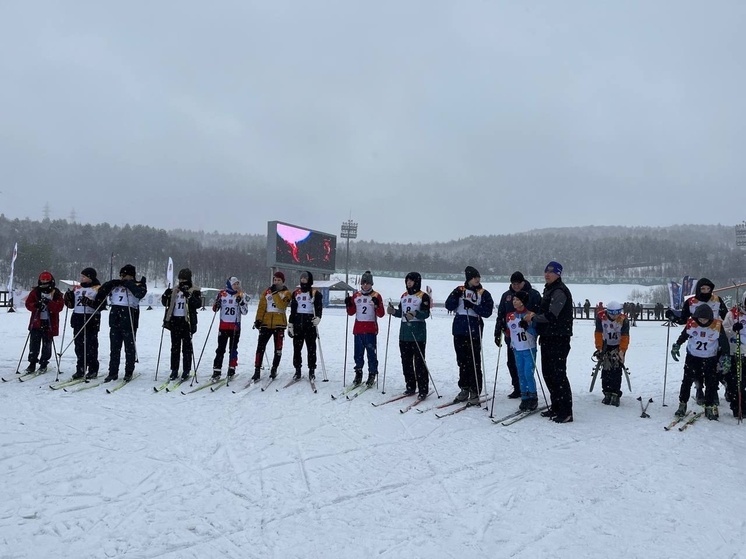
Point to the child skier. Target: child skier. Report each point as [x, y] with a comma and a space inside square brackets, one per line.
[306, 307]
[612, 340]
[232, 304]
[522, 336]
[271, 322]
[45, 303]
[706, 340]
[86, 322]
[366, 305]
[180, 319]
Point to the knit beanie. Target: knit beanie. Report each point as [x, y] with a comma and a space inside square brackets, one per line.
[471, 273]
[367, 277]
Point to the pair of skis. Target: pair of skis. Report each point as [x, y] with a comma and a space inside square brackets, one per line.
[294, 380]
[687, 420]
[26, 376]
[517, 416]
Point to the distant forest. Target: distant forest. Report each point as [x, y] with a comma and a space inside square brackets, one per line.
[645, 255]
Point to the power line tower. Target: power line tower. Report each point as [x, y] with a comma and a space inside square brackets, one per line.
[46, 212]
[72, 216]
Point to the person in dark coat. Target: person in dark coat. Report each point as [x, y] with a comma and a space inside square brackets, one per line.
[180, 319]
[554, 325]
[306, 307]
[86, 322]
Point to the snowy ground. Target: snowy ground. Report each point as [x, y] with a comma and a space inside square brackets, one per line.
[290, 473]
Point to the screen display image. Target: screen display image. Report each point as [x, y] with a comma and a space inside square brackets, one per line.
[304, 248]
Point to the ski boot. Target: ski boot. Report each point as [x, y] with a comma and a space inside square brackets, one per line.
[358, 377]
[216, 374]
[78, 375]
[297, 374]
[681, 412]
[473, 397]
[30, 369]
[615, 400]
[111, 376]
[257, 375]
[532, 402]
[371, 382]
[128, 376]
[91, 375]
[231, 372]
[607, 399]
[711, 412]
[174, 375]
[462, 396]
[311, 374]
[273, 372]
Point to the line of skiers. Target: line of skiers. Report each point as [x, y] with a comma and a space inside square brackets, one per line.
[524, 317]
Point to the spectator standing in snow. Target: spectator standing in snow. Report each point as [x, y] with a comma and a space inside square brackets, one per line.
[554, 324]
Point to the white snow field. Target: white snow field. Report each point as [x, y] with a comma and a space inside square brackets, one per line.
[289, 473]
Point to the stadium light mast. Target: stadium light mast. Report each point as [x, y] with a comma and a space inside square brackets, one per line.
[349, 231]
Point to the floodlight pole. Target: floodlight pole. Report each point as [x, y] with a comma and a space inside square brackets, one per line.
[349, 231]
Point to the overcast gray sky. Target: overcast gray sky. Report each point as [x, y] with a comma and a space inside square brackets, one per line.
[425, 120]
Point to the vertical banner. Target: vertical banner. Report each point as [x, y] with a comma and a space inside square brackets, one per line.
[170, 273]
[12, 266]
[674, 294]
[687, 287]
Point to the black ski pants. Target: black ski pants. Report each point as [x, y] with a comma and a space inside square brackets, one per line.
[304, 335]
[554, 351]
[413, 366]
[469, 359]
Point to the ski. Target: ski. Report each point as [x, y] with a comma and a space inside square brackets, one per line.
[356, 394]
[482, 400]
[209, 383]
[217, 385]
[270, 381]
[594, 375]
[122, 384]
[178, 383]
[249, 384]
[441, 406]
[346, 391]
[29, 376]
[291, 382]
[312, 382]
[87, 385]
[523, 415]
[162, 386]
[66, 383]
[413, 404]
[677, 420]
[507, 417]
[394, 399]
[691, 420]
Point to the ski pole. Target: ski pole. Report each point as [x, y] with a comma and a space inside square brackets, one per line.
[23, 352]
[160, 347]
[214, 314]
[665, 367]
[386, 356]
[321, 355]
[347, 335]
[494, 388]
[538, 376]
[90, 316]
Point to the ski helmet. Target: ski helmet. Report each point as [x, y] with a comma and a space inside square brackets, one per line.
[613, 309]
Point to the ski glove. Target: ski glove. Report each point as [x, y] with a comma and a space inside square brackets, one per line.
[523, 324]
[498, 339]
[409, 316]
[670, 314]
[675, 349]
[725, 364]
[291, 330]
[737, 327]
[315, 321]
[598, 354]
[390, 309]
[273, 288]
[348, 301]
[257, 324]
[468, 304]
[376, 302]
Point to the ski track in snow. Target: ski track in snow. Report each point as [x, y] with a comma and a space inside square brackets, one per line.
[290, 473]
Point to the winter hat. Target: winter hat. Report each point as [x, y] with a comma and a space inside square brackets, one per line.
[280, 275]
[46, 279]
[522, 296]
[554, 267]
[309, 277]
[185, 274]
[416, 278]
[367, 277]
[229, 284]
[90, 273]
[703, 311]
[127, 270]
[471, 273]
[517, 277]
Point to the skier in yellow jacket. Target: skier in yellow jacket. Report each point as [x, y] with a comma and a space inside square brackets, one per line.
[271, 322]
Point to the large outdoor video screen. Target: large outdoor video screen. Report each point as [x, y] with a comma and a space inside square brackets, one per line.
[298, 248]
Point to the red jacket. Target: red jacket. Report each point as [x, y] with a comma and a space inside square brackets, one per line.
[54, 306]
[366, 311]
